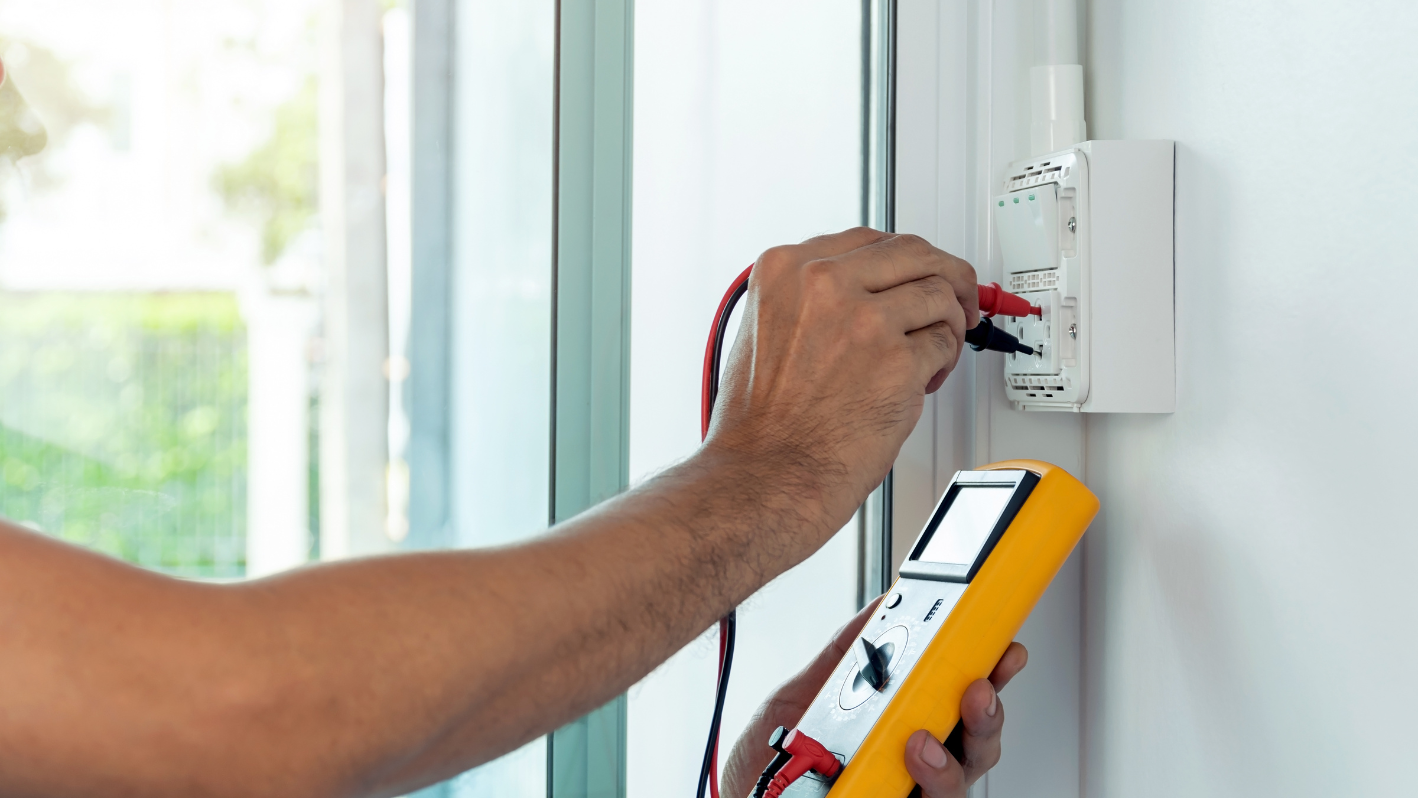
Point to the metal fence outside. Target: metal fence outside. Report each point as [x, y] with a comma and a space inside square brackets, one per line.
[123, 425]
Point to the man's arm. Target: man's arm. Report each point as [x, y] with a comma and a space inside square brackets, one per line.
[377, 676]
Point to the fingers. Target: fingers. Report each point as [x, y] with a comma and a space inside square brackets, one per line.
[937, 350]
[983, 716]
[1014, 659]
[931, 315]
[750, 753]
[833, 244]
[894, 261]
[849, 631]
[821, 667]
[937, 381]
[879, 261]
[821, 247]
[921, 303]
[932, 767]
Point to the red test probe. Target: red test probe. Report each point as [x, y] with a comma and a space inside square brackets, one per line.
[997, 301]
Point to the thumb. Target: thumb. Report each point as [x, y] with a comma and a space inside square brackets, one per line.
[939, 775]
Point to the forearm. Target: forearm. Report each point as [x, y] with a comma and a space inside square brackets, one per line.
[576, 618]
[375, 676]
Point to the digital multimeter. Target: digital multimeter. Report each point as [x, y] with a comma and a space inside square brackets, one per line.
[990, 549]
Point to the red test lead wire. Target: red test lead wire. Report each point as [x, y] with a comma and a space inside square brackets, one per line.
[708, 393]
[709, 385]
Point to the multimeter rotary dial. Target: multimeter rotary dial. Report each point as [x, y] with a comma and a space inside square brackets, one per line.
[857, 689]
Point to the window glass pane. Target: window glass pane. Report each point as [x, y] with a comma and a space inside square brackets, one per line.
[747, 134]
[502, 278]
[160, 263]
[205, 283]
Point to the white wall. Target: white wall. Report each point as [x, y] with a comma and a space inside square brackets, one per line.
[1249, 620]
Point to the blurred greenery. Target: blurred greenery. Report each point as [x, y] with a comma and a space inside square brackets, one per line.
[123, 425]
[278, 183]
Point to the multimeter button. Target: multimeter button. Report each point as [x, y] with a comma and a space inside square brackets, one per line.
[893, 601]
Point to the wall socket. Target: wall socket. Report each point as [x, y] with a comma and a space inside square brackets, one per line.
[1086, 234]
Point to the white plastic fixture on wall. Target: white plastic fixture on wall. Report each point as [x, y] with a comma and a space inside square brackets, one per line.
[1086, 234]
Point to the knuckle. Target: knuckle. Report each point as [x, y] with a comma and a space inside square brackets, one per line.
[913, 242]
[984, 760]
[819, 274]
[776, 259]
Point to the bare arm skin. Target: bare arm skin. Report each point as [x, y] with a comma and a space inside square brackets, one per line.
[374, 677]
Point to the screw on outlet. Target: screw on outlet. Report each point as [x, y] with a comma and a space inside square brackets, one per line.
[1073, 224]
[1073, 331]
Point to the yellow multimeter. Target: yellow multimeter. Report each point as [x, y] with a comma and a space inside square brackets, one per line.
[989, 551]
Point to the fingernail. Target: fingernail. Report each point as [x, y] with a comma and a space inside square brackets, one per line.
[933, 753]
[994, 704]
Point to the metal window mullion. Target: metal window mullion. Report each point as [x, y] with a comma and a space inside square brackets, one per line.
[430, 329]
[591, 335]
[879, 211]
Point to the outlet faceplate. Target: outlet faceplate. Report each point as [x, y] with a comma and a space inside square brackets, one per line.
[1086, 233]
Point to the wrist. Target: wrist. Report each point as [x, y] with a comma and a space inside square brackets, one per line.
[798, 494]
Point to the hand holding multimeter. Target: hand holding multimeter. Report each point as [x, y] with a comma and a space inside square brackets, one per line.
[939, 775]
[983, 560]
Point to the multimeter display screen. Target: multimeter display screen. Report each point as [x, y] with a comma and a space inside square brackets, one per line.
[967, 524]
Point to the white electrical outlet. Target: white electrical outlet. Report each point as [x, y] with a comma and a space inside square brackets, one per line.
[1086, 234]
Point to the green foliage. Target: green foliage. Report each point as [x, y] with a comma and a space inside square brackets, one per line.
[278, 183]
[123, 425]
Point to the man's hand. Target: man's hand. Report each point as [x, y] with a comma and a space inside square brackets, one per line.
[939, 775]
[842, 338]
